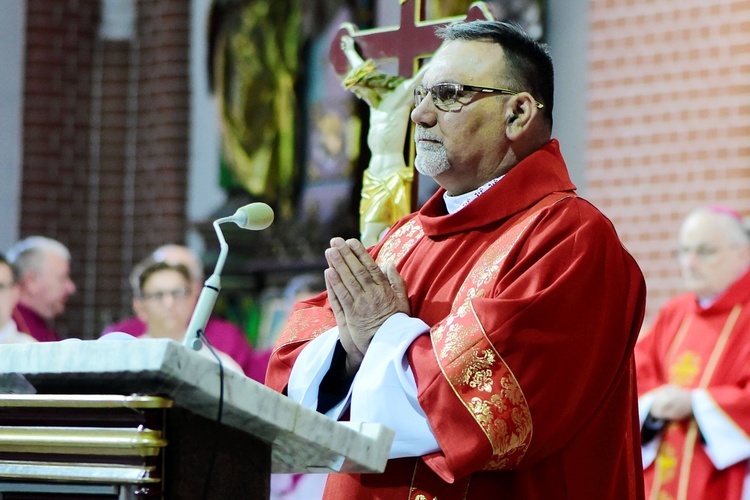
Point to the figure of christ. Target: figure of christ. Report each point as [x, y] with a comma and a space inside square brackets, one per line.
[386, 186]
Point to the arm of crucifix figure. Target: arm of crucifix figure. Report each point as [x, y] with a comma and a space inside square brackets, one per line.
[350, 51]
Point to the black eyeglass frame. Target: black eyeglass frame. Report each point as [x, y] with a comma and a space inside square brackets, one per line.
[447, 104]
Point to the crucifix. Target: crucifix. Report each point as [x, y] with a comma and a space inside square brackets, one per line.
[412, 40]
[387, 184]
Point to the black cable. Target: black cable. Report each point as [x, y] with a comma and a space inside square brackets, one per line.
[215, 450]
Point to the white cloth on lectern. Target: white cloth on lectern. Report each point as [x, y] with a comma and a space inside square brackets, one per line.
[383, 390]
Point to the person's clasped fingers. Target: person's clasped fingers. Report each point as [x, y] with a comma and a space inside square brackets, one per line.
[375, 274]
[346, 276]
[337, 289]
[361, 273]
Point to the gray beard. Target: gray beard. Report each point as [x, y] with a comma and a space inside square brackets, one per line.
[431, 160]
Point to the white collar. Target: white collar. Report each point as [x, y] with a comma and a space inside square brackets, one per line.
[455, 203]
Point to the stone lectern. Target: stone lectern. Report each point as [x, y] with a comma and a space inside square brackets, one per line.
[153, 419]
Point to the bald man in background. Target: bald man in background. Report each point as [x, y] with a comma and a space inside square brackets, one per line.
[693, 367]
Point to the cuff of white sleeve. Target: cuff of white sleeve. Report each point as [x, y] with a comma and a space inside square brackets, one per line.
[648, 452]
[311, 366]
[726, 443]
[384, 389]
[644, 406]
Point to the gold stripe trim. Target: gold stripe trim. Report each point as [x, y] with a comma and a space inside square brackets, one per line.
[300, 321]
[464, 352]
[400, 243]
[678, 339]
[691, 437]
[83, 440]
[687, 460]
[82, 401]
[656, 485]
[720, 345]
[511, 375]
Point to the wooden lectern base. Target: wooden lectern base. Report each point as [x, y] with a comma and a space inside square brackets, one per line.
[193, 438]
[121, 447]
[160, 442]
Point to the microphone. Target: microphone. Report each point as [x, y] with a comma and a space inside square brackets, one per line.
[255, 217]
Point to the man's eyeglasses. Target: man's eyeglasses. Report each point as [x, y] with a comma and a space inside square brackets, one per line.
[176, 294]
[447, 96]
[702, 252]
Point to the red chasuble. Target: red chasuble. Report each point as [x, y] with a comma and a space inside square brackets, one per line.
[527, 374]
[30, 322]
[698, 348]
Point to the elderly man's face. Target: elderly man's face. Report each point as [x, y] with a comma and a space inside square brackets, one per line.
[48, 290]
[710, 257]
[8, 294]
[462, 149]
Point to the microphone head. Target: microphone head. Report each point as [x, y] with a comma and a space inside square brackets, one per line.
[254, 216]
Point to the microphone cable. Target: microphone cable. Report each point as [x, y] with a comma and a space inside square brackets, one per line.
[215, 449]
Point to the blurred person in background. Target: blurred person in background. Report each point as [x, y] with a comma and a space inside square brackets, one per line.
[9, 293]
[43, 266]
[693, 367]
[165, 303]
[223, 335]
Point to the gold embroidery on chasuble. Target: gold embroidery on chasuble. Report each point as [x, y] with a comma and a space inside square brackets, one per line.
[400, 243]
[303, 325]
[477, 373]
[666, 464]
[685, 369]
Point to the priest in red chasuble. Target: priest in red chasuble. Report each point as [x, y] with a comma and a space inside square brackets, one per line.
[694, 368]
[493, 329]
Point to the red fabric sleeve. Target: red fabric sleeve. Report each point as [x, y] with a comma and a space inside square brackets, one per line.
[307, 320]
[564, 318]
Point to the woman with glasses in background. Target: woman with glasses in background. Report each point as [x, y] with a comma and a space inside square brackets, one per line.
[165, 303]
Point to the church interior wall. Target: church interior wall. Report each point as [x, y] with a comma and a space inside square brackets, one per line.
[668, 119]
[117, 137]
[12, 38]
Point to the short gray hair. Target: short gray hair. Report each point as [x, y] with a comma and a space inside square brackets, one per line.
[736, 226]
[28, 254]
[529, 63]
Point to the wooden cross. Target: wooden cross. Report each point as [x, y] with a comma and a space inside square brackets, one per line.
[412, 40]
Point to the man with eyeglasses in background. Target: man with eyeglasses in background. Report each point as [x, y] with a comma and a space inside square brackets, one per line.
[694, 367]
[165, 303]
[222, 334]
[493, 330]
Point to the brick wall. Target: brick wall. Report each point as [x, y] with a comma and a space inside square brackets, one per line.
[668, 120]
[105, 144]
[106, 133]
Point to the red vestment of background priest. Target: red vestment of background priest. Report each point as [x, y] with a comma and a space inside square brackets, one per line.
[705, 349]
[527, 375]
